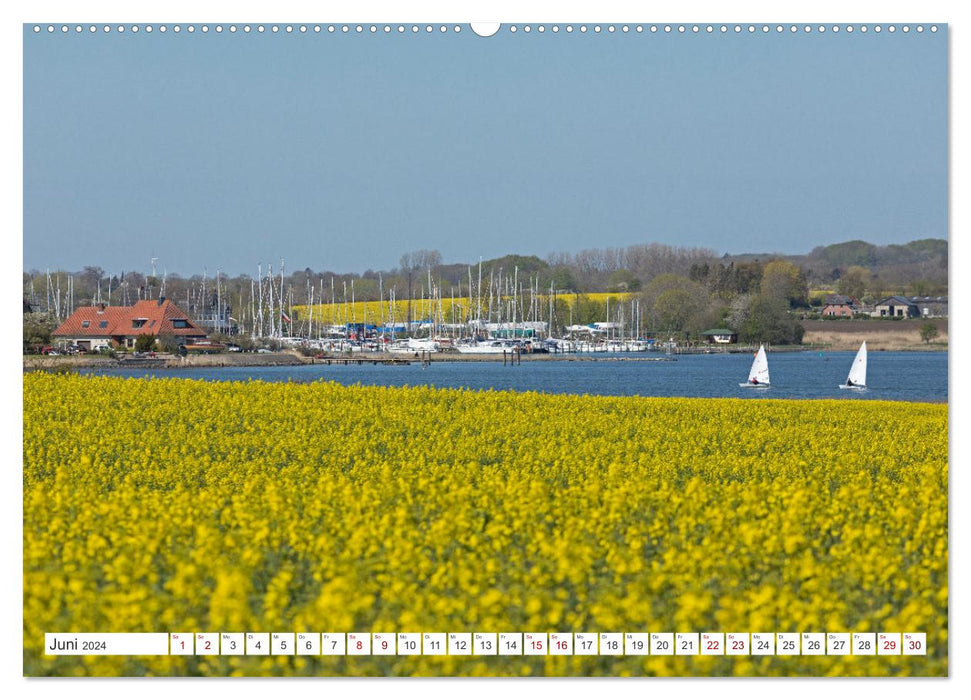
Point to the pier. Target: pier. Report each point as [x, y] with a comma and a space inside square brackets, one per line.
[358, 361]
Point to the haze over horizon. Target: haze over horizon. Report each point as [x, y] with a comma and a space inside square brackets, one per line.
[341, 152]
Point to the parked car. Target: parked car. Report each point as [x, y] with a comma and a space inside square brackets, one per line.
[264, 351]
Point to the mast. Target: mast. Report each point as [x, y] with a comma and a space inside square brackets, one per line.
[381, 297]
[549, 329]
[252, 301]
[281, 297]
[310, 315]
[470, 292]
[489, 310]
[269, 277]
[478, 289]
[320, 300]
[499, 295]
[515, 297]
[219, 302]
[344, 284]
[431, 303]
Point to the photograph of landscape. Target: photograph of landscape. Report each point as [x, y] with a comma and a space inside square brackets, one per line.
[462, 350]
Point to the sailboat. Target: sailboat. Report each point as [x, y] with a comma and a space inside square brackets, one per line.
[857, 376]
[758, 376]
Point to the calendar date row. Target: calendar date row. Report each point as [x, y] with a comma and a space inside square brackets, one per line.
[491, 644]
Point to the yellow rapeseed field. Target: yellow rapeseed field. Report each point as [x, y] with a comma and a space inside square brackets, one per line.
[376, 311]
[171, 505]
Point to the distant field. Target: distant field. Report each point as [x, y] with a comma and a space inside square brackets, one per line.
[879, 335]
[377, 311]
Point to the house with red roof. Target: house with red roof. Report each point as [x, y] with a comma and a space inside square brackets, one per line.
[840, 306]
[93, 327]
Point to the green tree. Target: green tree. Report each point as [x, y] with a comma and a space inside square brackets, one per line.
[562, 278]
[784, 281]
[623, 281]
[928, 331]
[145, 343]
[674, 303]
[673, 310]
[37, 332]
[759, 319]
[854, 282]
[734, 280]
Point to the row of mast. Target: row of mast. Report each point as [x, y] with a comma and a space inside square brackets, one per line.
[502, 302]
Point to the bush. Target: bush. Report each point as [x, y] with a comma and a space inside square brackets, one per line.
[145, 343]
[244, 342]
[168, 343]
[928, 331]
[37, 332]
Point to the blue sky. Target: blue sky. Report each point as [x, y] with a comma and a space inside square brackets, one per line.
[342, 152]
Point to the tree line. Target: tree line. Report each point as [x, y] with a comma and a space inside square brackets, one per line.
[678, 290]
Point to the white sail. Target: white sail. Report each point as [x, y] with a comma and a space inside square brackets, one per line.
[759, 374]
[857, 375]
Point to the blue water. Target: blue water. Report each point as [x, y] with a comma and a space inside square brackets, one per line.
[892, 376]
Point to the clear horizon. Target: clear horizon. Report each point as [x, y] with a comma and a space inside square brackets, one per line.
[342, 152]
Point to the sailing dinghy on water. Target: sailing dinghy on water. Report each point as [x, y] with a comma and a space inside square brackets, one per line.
[857, 376]
[758, 376]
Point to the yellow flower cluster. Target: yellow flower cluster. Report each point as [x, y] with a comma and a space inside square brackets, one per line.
[171, 505]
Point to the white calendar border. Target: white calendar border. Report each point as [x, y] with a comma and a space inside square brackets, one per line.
[506, 10]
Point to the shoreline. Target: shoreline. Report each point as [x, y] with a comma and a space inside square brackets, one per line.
[292, 359]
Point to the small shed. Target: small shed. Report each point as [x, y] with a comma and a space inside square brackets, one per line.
[721, 336]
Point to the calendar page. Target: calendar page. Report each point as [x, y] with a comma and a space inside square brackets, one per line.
[543, 349]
